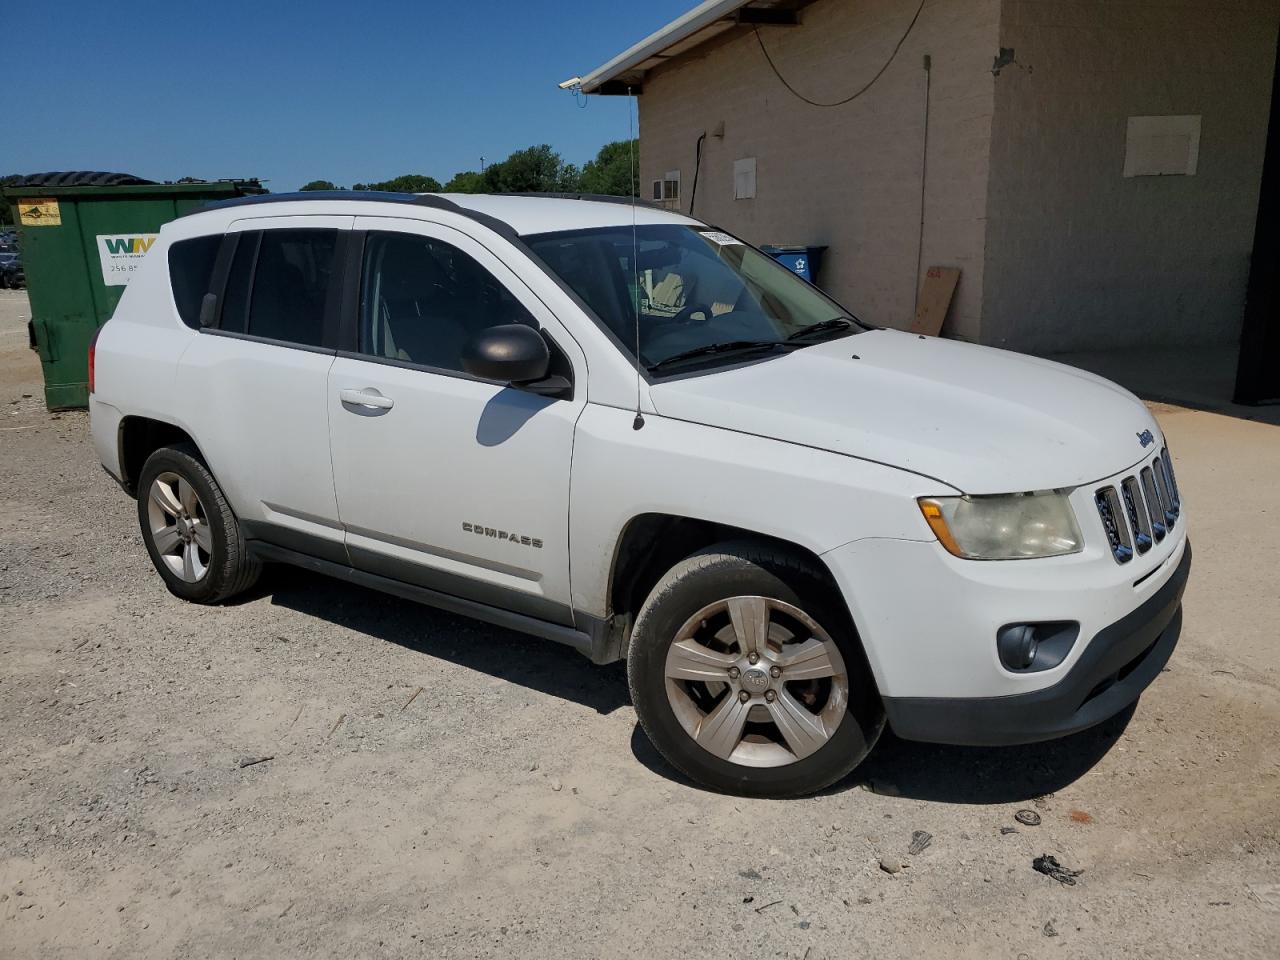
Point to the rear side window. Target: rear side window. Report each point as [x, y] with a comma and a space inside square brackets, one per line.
[278, 285]
[190, 270]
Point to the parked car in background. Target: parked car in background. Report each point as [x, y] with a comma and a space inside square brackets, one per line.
[12, 276]
[628, 431]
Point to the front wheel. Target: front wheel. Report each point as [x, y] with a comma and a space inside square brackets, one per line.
[748, 676]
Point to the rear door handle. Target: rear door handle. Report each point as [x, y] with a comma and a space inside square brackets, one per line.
[368, 397]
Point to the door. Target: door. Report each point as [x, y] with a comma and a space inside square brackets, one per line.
[257, 381]
[445, 480]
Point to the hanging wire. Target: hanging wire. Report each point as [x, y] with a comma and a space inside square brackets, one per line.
[849, 99]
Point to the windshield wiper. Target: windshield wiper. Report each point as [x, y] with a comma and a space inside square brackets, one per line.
[823, 327]
[711, 349]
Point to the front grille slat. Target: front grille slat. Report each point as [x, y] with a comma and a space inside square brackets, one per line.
[1136, 510]
[1162, 491]
[1154, 512]
[1113, 522]
[1171, 482]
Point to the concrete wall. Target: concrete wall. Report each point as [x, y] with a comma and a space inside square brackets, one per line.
[1080, 258]
[844, 176]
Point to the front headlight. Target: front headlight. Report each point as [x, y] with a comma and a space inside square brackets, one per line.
[1016, 526]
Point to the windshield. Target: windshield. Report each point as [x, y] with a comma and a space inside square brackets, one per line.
[698, 296]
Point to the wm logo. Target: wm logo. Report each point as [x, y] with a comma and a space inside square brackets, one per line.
[120, 245]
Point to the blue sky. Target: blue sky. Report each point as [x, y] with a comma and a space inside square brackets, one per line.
[296, 91]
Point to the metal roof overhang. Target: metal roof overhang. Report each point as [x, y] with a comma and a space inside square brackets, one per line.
[626, 72]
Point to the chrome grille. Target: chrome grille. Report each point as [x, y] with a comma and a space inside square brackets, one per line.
[1141, 510]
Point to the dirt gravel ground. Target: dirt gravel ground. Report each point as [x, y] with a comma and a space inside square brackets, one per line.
[442, 788]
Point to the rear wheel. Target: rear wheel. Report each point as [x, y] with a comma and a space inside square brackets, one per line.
[191, 533]
[747, 674]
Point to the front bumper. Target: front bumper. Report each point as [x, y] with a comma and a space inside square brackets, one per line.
[1117, 666]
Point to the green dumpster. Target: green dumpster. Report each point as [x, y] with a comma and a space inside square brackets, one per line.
[83, 235]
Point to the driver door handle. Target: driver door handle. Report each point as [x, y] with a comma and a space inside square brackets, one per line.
[368, 397]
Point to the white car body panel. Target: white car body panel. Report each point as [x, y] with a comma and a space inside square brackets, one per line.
[814, 498]
[982, 420]
[137, 357]
[454, 450]
[270, 443]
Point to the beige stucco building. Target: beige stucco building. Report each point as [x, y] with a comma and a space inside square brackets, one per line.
[1092, 166]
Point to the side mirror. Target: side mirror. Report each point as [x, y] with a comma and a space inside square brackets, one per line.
[511, 353]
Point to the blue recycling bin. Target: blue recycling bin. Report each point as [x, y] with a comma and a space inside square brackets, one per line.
[803, 261]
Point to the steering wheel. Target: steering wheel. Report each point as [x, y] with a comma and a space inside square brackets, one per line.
[686, 315]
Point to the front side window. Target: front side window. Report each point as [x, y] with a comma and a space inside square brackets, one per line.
[697, 296]
[278, 285]
[423, 300]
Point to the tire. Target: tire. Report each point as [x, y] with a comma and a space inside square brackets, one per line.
[191, 533]
[705, 603]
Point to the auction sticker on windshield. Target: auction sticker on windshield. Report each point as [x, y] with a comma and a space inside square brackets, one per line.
[120, 255]
[721, 239]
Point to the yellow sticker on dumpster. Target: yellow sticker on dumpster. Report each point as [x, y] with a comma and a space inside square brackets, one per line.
[39, 212]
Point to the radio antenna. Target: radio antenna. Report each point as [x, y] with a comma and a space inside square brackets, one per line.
[638, 422]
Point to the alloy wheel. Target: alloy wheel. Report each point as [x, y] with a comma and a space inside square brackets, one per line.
[756, 681]
[179, 527]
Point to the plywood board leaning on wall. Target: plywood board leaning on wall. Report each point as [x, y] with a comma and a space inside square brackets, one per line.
[935, 300]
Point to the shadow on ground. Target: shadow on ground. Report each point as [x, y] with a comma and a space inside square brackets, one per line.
[960, 775]
[924, 771]
[530, 662]
[957, 775]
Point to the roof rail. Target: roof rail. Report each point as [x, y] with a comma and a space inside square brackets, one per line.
[495, 224]
[594, 197]
[368, 196]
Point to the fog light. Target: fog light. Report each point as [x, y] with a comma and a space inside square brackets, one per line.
[1018, 645]
[1032, 647]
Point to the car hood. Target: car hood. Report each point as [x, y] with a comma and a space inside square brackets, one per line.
[979, 419]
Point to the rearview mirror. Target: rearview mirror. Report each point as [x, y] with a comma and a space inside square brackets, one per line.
[511, 353]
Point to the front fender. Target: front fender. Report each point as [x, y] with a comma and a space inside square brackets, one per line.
[814, 498]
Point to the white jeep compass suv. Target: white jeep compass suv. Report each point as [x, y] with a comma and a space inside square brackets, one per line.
[621, 429]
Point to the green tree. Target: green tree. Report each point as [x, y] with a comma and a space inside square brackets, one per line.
[468, 181]
[611, 171]
[318, 185]
[406, 183]
[536, 169]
